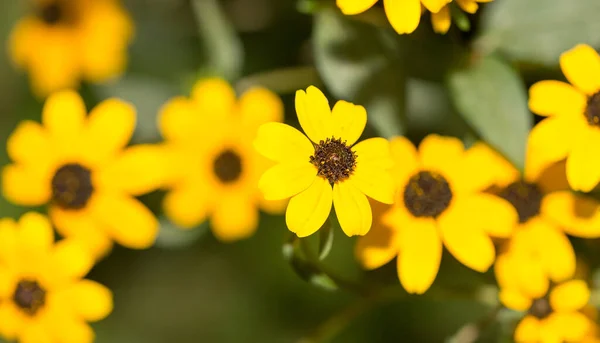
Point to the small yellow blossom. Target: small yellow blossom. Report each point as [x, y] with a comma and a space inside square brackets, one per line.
[326, 167]
[78, 165]
[62, 42]
[441, 20]
[572, 127]
[215, 170]
[42, 296]
[440, 201]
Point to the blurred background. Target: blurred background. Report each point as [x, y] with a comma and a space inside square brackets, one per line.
[190, 287]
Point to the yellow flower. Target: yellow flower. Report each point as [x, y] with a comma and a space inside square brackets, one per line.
[215, 170]
[64, 41]
[42, 295]
[78, 166]
[405, 15]
[557, 317]
[440, 201]
[326, 167]
[572, 129]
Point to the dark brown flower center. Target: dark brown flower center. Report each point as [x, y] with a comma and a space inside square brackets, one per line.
[525, 197]
[335, 161]
[592, 110]
[29, 296]
[228, 166]
[52, 12]
[72, 186]
[427, 194]
[540, 308]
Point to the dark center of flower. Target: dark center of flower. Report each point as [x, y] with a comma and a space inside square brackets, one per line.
[592, 110]
[52, 13]
[228, 166]
[427, 194]
[540, 308]
[525, 197]
[335, 161]
[72, 186]
[29, 296]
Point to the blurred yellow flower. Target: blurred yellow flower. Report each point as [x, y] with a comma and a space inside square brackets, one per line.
[78, 165]
[556, 317]
[215, 170]
[65, 41]
[405, 15]
[572, 129]
[325, 167]
[440, 201]
[42, 295]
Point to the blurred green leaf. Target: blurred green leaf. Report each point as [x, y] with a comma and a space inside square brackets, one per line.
[172, 237]
[325, 240]
[362, 63]
[538, 30]
[491, 97]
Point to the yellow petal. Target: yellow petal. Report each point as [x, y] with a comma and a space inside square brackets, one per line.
[570, 296]
[287, 179]
[281, 142]
[8, 280]
[440, 153]
[469, 244]
[64, 116]
[554, 250]
[441, 20]
[420, 255]
[214, 97]
[576, 214]
[496, 216]
[469, 6]
[504, 271]
[483, 168]
[65, 328]
[404, 15]
[91, 300]
[352, 209]
[187, 206]
[70, 261]
[314, 114]
[9, 243]
[528, 330]
[348, 121]
[109, 128]
[21, 43]
[234, 218]
[35, 233]
[405, 158]
[179, 119]
[434, 6]
[583, 168]
[11, 320]
[374, 152]
[125, 219]
[581, 66]
[378, 247]
[572, 326]
[531, 276]
[375, 183]
[514, 299]
[350, 7]
[553, 178]
[138, 170]
[25, 186]
[556, 98]
[258, 106]
[550, 141]
[29, 144]
[308, 210]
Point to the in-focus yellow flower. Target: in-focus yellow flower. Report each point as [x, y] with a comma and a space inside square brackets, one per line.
[64, 41]
[42, 295]
[440, 201]
[572, 129]
[405, 15]
[326, 167]
[78, 166]
[215, 170]
[557, 316]
[539, 250]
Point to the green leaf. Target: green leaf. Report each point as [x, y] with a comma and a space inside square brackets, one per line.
[172, 237]
[361, 63]
[492, 99]
[538, 31]
[325, 240]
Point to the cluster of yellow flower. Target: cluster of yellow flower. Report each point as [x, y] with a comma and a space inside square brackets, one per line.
[225, 158]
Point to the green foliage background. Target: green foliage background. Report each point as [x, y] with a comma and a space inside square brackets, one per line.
[191, 288]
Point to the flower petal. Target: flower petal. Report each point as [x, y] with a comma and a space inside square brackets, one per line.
[441, 20]
[280, 142]
[314, 114]
[404, 15]
[350, 7]
[469, 6]
[352, 209]
[581, 66]
[434, 6]
[70, 260]
[528, 330]
[234, 218]
[379, 246]
[64, 116]
[496, 216]
[187, 206]
[374, 152]
[583, 166]
[29, 144]
[214, 97]
[11, 320]
[126, 220]
[405, 158]
[439, 153]
[25, 186]
[35, 233]
[348, 121]
[556, 98]
[179, 119]
[570, 296]
[259, 105]
[553, 249]
[514, 300]
[91, 300]
[532, 279]
[577, 215]
[308, 210]
[572, 326]
[287, 179]
[483, 168]
[375, 183]
[420, 255]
